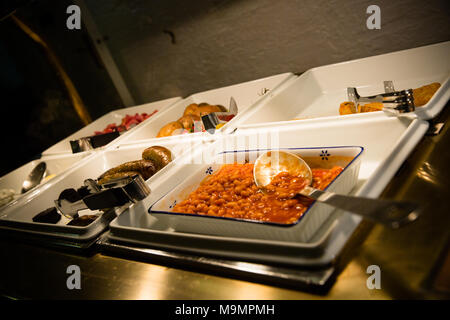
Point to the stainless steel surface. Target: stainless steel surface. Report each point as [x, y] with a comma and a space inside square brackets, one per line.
[312, 279]
[35, 177]
[393, 214]
[413, 260]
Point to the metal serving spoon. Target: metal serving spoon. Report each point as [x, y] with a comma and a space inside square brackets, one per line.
[391, 213]
[35, 177]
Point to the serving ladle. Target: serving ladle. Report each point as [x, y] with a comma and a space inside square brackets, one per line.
[387, 212]
[35, 177]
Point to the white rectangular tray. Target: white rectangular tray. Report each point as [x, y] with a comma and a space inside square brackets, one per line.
[114, 116]
[19, 214]
[387, 143]
[246, 95]
[55, 164]
[301, 231]
[318, 92]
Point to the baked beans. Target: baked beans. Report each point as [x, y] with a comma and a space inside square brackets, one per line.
[231, 192]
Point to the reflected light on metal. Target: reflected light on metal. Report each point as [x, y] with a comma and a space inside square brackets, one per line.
[152, 274]
[428, 173]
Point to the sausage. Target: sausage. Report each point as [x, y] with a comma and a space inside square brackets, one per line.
[160, 156]
[146, 168]
[105, 178]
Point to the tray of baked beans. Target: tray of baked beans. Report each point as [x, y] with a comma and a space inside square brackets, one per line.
[209, 204]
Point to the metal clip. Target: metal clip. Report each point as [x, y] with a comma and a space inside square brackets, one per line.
[92, 142]
[388, 86]
[211, 120]
[115, 193]
[394, 102]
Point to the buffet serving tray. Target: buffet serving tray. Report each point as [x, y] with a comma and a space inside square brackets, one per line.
[300, 231]
[114, 116]
[55, 164]
[318, 92]
[387, 143]
[18, 215]
[246, 95]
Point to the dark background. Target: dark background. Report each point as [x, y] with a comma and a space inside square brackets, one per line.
[37, 111]
[174, 48]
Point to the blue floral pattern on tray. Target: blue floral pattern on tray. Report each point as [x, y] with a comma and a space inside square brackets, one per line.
[325, 154]
[173, 204]
[263, 91]
[209, 170]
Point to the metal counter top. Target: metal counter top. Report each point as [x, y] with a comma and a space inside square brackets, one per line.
[414, 260]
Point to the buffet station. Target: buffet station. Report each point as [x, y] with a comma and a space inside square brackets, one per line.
[276, 181]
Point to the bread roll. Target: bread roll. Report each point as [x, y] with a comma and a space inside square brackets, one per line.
[222, 108]
[371, 107]
[192, 109]
[187, 121]
[423, 94]
[167, 130]
[204, 110]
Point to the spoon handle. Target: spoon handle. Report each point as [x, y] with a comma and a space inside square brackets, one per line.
[391, 213]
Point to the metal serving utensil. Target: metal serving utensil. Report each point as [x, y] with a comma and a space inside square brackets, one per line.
[92, 142]
[35, 177]
[394, 102]
[114, 193]
[211, 120]
[390, 213]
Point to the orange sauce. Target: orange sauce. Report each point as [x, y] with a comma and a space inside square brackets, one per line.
[231, 192]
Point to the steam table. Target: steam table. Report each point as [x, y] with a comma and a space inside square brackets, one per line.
[414, 260]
